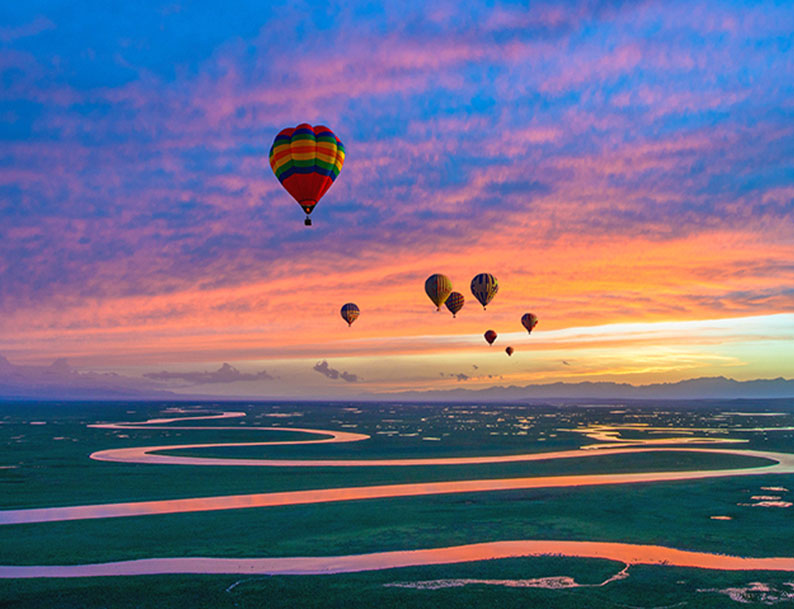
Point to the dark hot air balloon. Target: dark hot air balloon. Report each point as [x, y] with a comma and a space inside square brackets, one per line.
[509, 350]
[438, 288]
[454, 302]
[484, 287]
[350, 313]
[529, 321]
[490, 336]
[307, 160]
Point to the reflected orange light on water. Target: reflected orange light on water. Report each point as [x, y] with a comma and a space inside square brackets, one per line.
[628, 554]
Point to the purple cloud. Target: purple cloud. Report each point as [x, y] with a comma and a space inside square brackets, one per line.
[324, 369]
[59, 380]
[225, 374]
[129, 174]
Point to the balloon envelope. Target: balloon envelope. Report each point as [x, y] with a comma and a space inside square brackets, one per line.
[529, 321]
[307, 160]
[454, 302]
[484, 287]
[490, 336]
[438, 288]
[509, 350]
[350, 313]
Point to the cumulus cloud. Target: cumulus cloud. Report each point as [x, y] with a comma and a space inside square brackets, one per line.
[324, 369]
[225, 374]
[460, 376]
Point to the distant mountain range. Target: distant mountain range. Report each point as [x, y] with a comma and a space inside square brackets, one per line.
[717, 387]
[59, 381]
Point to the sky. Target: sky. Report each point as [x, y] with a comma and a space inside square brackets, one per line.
[625, 169]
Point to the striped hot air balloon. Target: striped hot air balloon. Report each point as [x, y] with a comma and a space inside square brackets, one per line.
[306, 160]
[454, 302]
[484, 287]
[350, 313]
[438, 288]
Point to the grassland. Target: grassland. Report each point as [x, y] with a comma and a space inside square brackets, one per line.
[48, 472]
[646, 587]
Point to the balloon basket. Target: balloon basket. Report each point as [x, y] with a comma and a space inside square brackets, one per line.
[308, 221]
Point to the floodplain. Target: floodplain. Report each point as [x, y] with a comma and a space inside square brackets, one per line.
[530, 475]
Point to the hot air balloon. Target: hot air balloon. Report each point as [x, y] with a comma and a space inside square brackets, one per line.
[454, 302]
[306, 160]
[350, 313]
[509, 350]
[484, 287]
[490, 336]
[438, 288]
[529, 321]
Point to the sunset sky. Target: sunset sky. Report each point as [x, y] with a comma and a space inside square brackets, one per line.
[626, 171]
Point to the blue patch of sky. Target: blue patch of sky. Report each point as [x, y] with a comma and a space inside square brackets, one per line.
[11, 77]
[208, 161]
[771, 177]
[93, 109]
[94, 40]
[18, 118]
[10, 202]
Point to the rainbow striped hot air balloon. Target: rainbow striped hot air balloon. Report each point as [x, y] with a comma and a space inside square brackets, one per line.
[306, 160]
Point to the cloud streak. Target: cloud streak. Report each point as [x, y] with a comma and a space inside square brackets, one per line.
[331, 373]
[636, 157]
[225, 374]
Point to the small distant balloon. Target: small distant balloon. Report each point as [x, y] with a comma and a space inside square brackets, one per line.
[350, 313]
[490, 336]
[454, 302]
[529, 321]
[509, 350]
[484, 287]
[438, 288]
[307, 160]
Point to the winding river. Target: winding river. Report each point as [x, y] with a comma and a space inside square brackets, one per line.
[629, 554]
